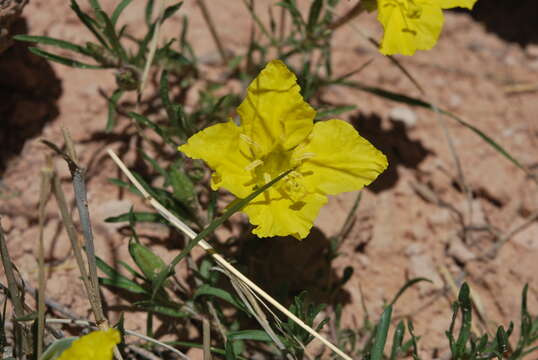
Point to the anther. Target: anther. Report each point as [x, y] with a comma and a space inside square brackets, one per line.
[249, 140]
[304, 156]
[266, 177]
[253, 165]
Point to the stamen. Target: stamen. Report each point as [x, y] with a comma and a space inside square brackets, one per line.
[304, 156]
[266, 177]
[253, 165]
[249, 140]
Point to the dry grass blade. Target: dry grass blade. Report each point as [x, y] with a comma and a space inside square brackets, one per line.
[220, 260]
[21, 333]
[46, 177]
[206, 328]
[79, 186]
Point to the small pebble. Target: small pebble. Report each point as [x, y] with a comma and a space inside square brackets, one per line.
[403, 114]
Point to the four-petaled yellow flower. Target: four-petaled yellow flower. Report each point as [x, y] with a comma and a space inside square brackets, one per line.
[411, 25]
[97, 345]
[277, 133]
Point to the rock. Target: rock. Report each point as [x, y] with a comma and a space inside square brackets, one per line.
[455, 101]
[7, 223]
[404, 115]
[20, 222]
[459, 251]
[532, 51]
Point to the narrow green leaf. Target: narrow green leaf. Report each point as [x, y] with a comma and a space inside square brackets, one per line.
[63, 60]
[406, 286]
[164, 310]
[255, 335]
[232, 209]
[123, 284]
[291, 6]
[112, 105]
[171, 10]
[397, 340]
[164, 90]
[131, 270]
[414, 339]
[148, 13]
[382, 330]
[147, 122]
[464, 299]
[45, 40]
[115, 279]
[113, 39]
[90, 23]
[125, 185]
[502, 341]
[313, 15]
[219, 293]
[95, 5]
[118, 10]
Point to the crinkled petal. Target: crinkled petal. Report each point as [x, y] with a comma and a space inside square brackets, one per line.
[97, 345]
[449, 4]
[403, 33]
[282, 216]
[274, 110]
[218, 146]
[339, 159]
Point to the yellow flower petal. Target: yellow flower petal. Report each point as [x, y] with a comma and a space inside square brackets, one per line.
[218, 146]
[409, 25]
[280, 216]
[97, 345]
[340, 159]
[274, 111]
[449, 4]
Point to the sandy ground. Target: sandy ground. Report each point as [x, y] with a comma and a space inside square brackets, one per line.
[397, 234]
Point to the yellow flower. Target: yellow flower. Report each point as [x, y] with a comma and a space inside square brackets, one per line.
[411, 25]
[277, 133]
[97, 345]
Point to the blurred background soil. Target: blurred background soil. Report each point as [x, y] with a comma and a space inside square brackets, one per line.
[484, 69]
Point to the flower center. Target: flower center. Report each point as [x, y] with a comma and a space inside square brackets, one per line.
[275, 163]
